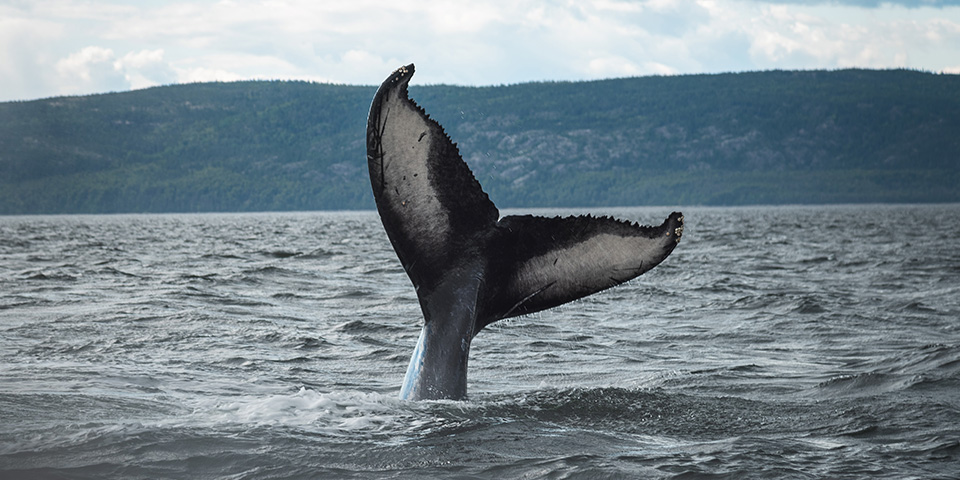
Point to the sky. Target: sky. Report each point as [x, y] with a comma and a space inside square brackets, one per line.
[77, 47]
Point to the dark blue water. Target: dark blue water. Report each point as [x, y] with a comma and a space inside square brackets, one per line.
[795, 342]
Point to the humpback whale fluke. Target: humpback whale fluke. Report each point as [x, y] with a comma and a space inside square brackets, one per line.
[470, 267]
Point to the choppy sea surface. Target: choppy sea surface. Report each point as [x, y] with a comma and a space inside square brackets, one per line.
[780, 342]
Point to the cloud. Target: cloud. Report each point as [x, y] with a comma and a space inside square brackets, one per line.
[24, 72]
[89, 46]
[204, 74]
[146, 68]
[873, 3]
[799, 38]
[91, 67]
[98, 69]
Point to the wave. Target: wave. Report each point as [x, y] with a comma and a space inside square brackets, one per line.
[281, 253]
[251, 349]
[354, 434]
[50, 276]
[929, 366]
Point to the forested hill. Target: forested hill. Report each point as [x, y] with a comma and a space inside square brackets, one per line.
[748, 138]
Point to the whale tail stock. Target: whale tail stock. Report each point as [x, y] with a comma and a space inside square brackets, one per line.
[470, 267]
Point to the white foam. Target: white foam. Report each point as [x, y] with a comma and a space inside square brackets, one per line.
[340, 412]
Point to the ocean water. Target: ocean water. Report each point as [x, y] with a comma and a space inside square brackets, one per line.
[780, 342]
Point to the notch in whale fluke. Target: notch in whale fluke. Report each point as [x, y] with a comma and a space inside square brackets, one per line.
[468, 266]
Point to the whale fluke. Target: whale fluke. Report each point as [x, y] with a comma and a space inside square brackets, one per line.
[470, 267]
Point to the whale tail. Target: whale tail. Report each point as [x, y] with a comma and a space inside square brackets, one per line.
[470, 267]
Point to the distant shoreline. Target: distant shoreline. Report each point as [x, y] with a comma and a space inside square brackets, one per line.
[755, 138]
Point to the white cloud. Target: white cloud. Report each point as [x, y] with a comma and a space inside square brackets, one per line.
[80, 64]
[463, 17]
[25, 72]
[146, 68]
[98, 69]
[873, 3]
[660, 69]
[129, 45]
[203, 74]
[90, 68]
[783, 37]
[613, 67]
